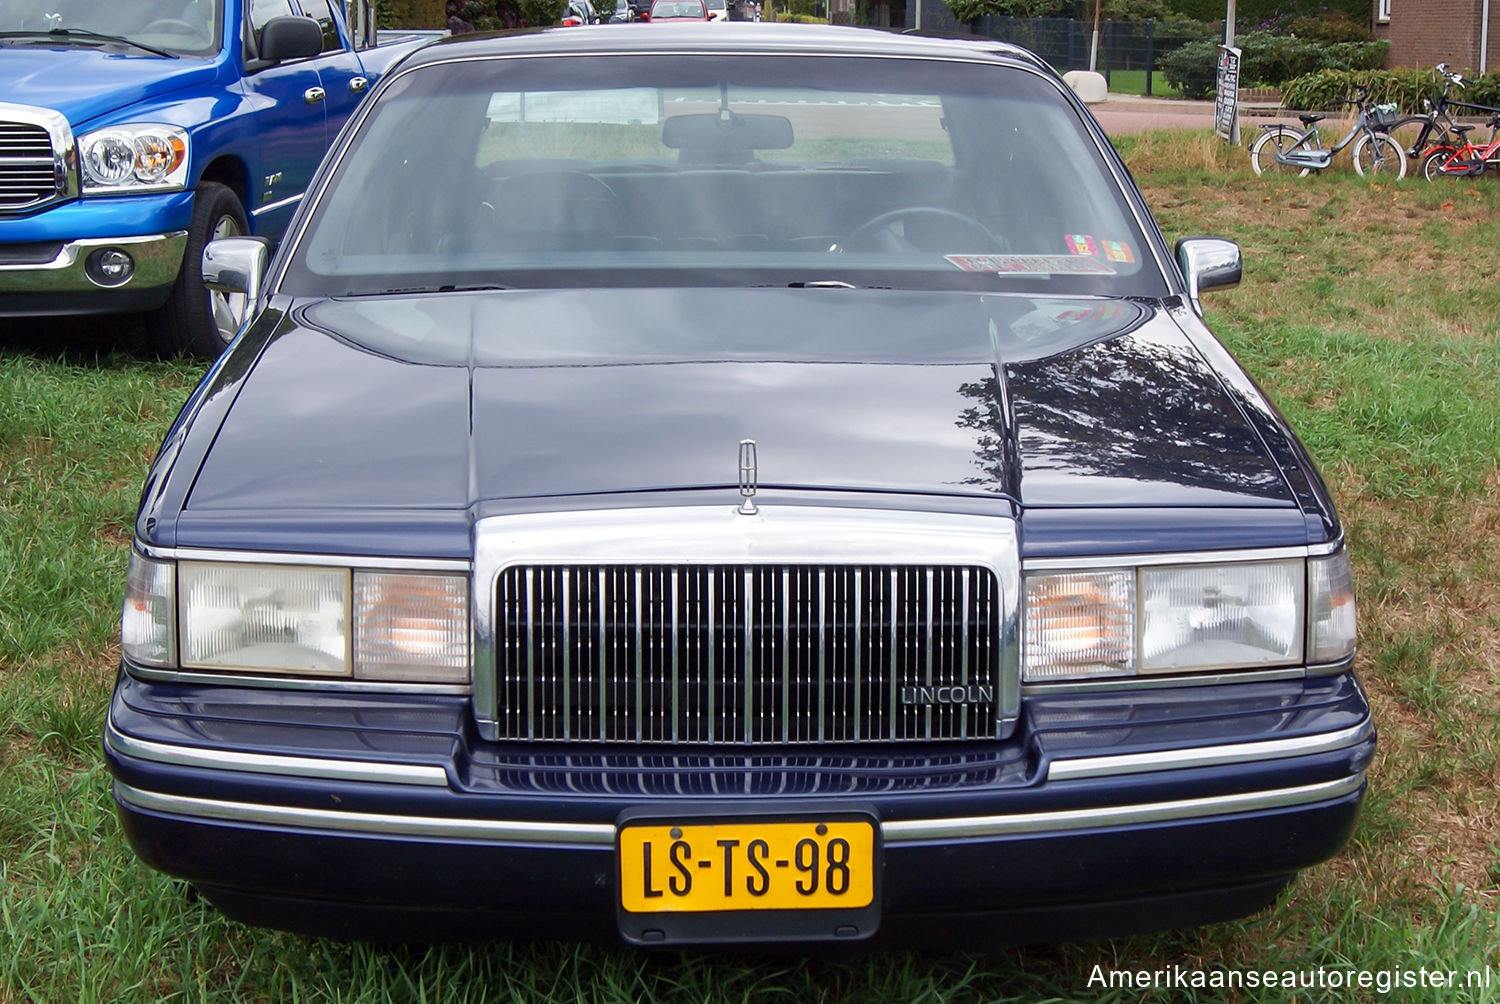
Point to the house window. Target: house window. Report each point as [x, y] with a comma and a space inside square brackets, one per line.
[1383, 10]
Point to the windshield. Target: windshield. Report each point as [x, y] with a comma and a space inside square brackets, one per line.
[730, 170]
[188, 27]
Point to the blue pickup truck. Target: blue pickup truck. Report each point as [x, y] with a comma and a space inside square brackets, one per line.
[132, 133]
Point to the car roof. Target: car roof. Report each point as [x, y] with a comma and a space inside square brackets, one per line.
[738, 38]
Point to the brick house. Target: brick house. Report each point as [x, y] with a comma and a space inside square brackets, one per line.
[1425, 32]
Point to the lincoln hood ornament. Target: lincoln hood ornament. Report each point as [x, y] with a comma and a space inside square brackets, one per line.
[749, 477]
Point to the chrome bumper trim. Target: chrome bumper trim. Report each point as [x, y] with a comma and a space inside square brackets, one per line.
[1209, 756]
[603, 834]
[157, 261]
[919, 830]
[262, 763]
[379, 824]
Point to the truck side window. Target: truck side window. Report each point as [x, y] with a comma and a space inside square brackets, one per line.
[319, 11]
[262, 11]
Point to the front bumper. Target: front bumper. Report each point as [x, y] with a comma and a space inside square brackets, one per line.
[376, 816]
[42, 255]
[53, 277]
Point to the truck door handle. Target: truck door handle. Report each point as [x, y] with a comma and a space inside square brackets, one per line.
[313, 95]
[358, 84]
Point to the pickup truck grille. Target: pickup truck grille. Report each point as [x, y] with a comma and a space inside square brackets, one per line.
[29, 169]
[752, 654]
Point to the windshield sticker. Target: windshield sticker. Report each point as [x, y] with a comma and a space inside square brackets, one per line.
[1081, 244]
[1119, 251]
[1031, 264]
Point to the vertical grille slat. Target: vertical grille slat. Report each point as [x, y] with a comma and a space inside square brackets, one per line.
[747, 654]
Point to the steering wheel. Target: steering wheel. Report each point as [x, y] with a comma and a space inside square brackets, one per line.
[173, 24]
[945, 231]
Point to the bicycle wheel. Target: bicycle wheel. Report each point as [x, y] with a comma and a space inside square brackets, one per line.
[1376, 154]
[1279, 139]
[1433, 161]
[1418, 133]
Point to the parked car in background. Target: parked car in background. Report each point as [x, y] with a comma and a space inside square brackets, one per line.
[815, 510]
[579, 12]
[679, 10]
[623, 13]
[718, 10]
[132, 134]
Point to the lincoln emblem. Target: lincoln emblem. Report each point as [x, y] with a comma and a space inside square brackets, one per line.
[749, 476]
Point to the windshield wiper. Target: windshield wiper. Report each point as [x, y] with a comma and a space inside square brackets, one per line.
[83, 34]
[415, 290]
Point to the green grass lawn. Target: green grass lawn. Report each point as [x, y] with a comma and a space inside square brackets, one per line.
[1368, 311]
[1134, 82]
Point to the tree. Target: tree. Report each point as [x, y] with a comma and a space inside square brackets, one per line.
[1137, 10]
[972, 10]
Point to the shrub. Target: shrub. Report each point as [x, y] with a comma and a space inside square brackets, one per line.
[1335, 26]
[1192, 67]
[1271, 60]
[1267, 60]
[538, 13]
[1322, 91]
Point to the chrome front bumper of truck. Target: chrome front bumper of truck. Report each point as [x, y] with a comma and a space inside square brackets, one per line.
[66, 277]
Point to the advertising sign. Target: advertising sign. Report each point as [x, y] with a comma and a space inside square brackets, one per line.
[1227, 95]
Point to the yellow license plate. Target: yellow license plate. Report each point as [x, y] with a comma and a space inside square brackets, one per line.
[705, 867]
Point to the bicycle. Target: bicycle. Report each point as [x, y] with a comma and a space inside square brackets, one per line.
[1280, 149]
[1465, 159]
[1437, 122]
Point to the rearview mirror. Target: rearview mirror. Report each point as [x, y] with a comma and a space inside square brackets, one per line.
[1208, 263]
[237, 265]
[286, 38]
[725, 135]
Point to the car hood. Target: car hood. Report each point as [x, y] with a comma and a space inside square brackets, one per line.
[85, 82]
[452, 399]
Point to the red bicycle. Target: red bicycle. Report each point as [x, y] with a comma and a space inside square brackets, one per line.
[1465, 158]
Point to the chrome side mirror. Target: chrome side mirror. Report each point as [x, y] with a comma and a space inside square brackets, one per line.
[1208, 263]
[236, 267]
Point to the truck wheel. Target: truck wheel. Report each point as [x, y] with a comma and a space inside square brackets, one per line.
[195, 321]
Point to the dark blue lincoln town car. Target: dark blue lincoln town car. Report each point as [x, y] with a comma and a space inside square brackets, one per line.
[747, 484]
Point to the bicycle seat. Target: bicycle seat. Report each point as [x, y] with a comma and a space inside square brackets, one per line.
[1308, 120]
[1461, 129]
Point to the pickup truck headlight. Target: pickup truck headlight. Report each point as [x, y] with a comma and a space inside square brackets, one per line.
[297, 620]
[1168, 619]
[134, 158]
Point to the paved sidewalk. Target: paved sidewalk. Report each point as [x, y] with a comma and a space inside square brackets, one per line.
[1124, 113]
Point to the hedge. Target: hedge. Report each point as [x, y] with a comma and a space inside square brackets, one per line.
[1322, 91]
[1267, 60]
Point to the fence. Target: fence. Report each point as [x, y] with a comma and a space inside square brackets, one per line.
[1065, 41]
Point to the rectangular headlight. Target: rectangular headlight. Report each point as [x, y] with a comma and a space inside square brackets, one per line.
[146, 621]
[411, 627]
[1240, 616]
[1120, 622]
[264, 618]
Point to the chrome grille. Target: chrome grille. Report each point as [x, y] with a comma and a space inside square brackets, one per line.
[745, 654]
[29, 174]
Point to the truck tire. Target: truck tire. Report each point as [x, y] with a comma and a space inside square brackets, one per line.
[195, 321]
